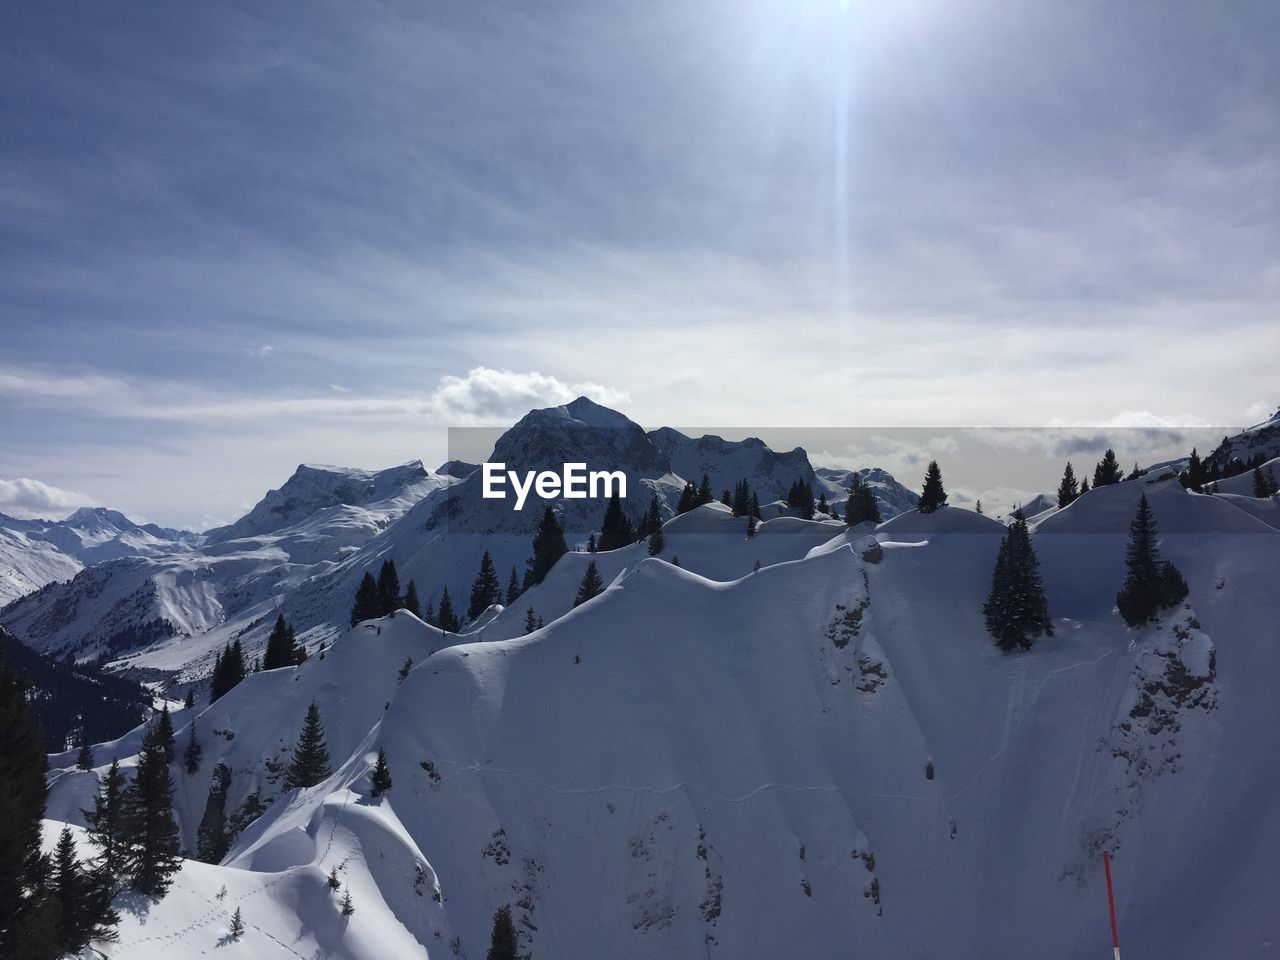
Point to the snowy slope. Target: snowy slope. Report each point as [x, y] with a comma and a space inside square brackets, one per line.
[27, 565]
[743, 768]
[892, 497]
[725, 462]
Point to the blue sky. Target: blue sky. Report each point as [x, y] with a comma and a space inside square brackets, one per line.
[235, 236]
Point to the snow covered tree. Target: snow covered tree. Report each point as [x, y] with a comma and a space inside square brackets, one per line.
[151, 835]
[1150, 584]
[84, 759]
[346, 906]
[486, 590]
[367, 605]
[28, 912]
[513, 588]
[548, 547]
[281, 646]
[380, 782]
[388, 588]
[191, 755]
[1016, 610]
[530, 621]
[1107, 471]
[447, 620]
[933, 496]
[502, 942]
[236, 930]
[310, 763]
[105, 822]
[616, 530]
[1068, 489]
[592, 585]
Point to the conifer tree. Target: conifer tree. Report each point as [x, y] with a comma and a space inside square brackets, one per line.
[28, 911]
[751, 526]
[616, 530]
[405, 668]
[381, 780]
[310, 763]
[1150, 584]
[236, 930]
[822, 504]
[213, 839]
[726, 498]
[1016, 610]
[388, 589]
[1264, 484]
[502, 941]
[977, 508]
[281, 646]
[84, 759]
[688, 498]
[1193, 477]
[704, 491]
[105, 822]
[592, 585]
[530, 621]
[334, 882]
[164, 734]
[754, 507]
[513, 588]
[1107, 471]
[653, 518]
[861, 507]
[84, 898]
[933, 496]
[228, 671]
[446, 619]
[346, 906]
[1068, 489]
[487, 590]
[151, 835]
[657, 540]
[592, 545]
[368, 606]
[191, 755]
[191, 698]
[411, 602]
[548, 547]
[429, 615]
[1084, 486]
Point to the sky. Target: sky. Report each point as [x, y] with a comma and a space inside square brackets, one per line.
[236, 236]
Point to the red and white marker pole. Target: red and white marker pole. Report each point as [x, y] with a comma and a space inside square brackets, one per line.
[1111, 902]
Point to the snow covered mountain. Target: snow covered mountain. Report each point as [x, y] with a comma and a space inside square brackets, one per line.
[892, 496]
[820, 756]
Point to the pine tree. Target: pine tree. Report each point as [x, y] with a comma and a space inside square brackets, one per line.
[933, 495]
[228, 671]
[751, 526]
[653, 520]
[1107, 471]
[530, 621]
[236, 930]
[1260, 490]
[191, 698]
[548, 547]
[591, 586]
[822, 504]
[592, 546]
[388, 589]
[310, 763]
[487, 590]
[1084, 486]
[405, 668]
[704, 491]
[1016, 610]
[28, 911]
[345, 905]
[977, 508]
[381, 779]
[726, 498]
[334, 882]
[213, 839]
[368, 606]
[281, 648]
[1193, 477]
[105, 822]
[1068, 489]
[616, 530]
[164, 734]
[754, 508]
[429, 615]
[688, 498]
[502, 943]
[657, 540]
[411, 600]
[1150, 584]
[513, 588]
[191, 755]
[151, 835]
[446, 619]
[84, 759]
[84, 900]
[861, 507]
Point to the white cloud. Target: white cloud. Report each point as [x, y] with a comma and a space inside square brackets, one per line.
[497, 397]
[27, 499]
